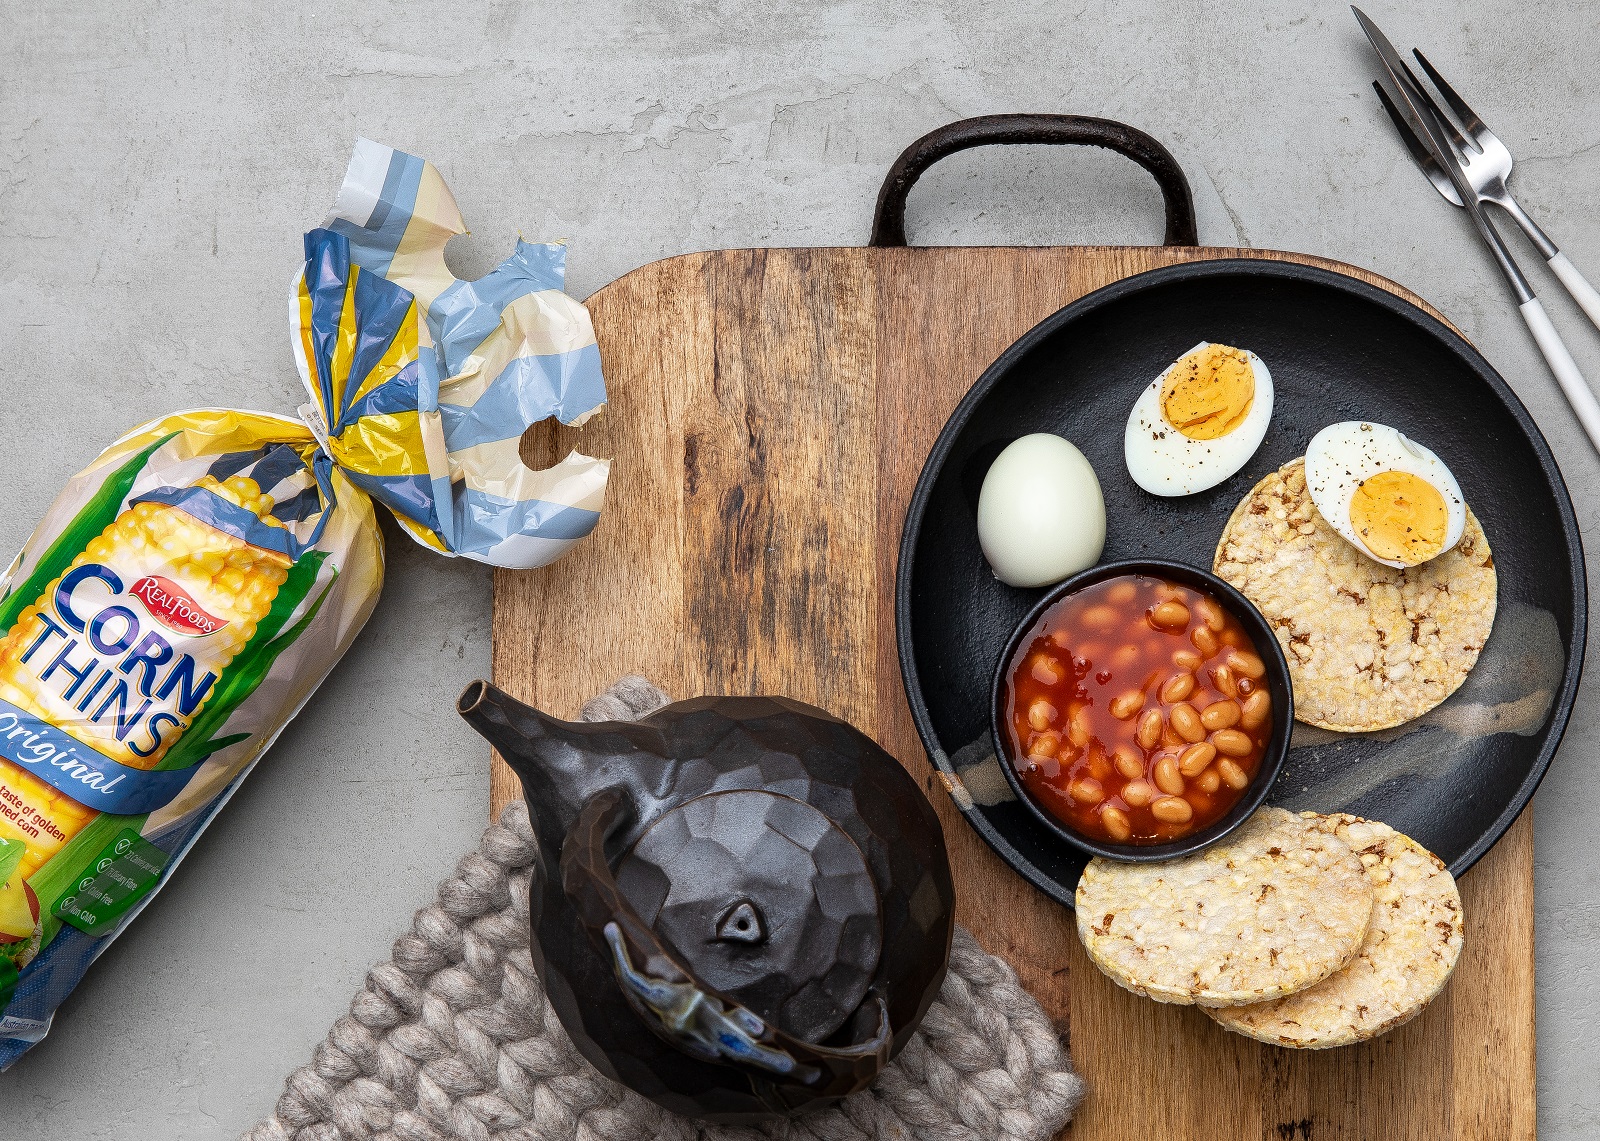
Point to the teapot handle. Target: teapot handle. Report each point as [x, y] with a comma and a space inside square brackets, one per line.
[681, 1009]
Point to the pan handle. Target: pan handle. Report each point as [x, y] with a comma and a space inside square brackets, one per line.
[889, 219]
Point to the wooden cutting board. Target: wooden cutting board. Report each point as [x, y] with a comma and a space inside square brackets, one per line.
[770, 412]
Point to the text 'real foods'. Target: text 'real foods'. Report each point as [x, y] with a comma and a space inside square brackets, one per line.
[1137, 710]
[185, 594]
[1199, 421]
[1390, 496]
[1041, 516]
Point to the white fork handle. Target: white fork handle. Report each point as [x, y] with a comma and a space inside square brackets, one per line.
[1577, 285]
[1566, 369]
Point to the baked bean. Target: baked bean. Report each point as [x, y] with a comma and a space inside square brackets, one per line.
[1122, 593]
[1138, 793]
[1040, 714]
[1099, 617]
[1168, 777]
[1046, 670]
[1087, 790]
[1222, 677]
[1211, 614]
[1099, 763]
[1078, 727]
[1232, 773]
[1232, 743]
[1116, 822]
[1172, 810]
[1222, 714]
[1125, 705]
[1193, 760]
[1044, 745]
[1204, 640]
[1170, 738]
[1245, 687]
[1170, 615]
[1256, 709]
[1185, 721]
[1129, 763]
[1126, 658]
[1209, 781]
[1247, 664]
[1178, 687]
[1061, 637]
[1187, 660]
[1149, 734]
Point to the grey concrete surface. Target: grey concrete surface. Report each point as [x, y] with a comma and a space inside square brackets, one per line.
[159, 161]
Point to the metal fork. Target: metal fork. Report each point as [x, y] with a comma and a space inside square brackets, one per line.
[1487, 163]
[1424, 126]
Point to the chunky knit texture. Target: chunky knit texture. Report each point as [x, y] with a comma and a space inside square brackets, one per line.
[452, 1038]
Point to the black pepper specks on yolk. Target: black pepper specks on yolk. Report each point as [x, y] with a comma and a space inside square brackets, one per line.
[1400, 516]
[1208, 392]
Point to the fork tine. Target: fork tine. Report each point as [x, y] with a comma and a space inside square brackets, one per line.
[1425, 97]
[1413, 144]
[1419, 151]
[1469, 118]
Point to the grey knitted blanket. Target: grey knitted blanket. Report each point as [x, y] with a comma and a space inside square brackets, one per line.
[453, 1038]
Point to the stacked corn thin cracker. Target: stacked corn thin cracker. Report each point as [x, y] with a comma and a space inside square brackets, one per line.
[1302, 930]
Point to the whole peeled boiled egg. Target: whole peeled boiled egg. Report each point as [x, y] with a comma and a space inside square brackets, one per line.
[1041, 516]
[1389, 496]
[1199, 421]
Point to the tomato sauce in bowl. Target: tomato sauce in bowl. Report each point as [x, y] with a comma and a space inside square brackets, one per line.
[1138, 710]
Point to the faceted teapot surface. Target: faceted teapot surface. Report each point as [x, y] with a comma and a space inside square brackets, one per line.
[742, 907]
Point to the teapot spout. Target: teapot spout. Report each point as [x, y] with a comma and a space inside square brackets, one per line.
[548, 755]
[512, 727]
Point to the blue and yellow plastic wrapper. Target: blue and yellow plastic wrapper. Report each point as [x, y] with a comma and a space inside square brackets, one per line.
[188, 591]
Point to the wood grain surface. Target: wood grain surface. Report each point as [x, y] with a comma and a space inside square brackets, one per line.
[770, 413]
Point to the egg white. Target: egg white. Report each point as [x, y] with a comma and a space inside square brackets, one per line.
[1041, 515]
[1341, 456]
[1164, 461]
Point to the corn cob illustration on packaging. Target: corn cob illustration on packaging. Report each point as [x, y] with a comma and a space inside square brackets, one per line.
[186, 593]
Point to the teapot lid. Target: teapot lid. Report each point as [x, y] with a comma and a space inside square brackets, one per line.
[768, 900]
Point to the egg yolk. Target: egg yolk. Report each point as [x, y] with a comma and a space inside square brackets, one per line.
[1209, 392]
[1400, 516]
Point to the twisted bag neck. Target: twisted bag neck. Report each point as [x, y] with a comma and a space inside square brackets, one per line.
[453, 1037]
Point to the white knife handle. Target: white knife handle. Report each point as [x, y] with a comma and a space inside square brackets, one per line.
[1577, 285]
[1566, 369]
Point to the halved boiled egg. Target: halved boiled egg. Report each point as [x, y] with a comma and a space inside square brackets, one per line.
[1199, 421]
[1389, 496]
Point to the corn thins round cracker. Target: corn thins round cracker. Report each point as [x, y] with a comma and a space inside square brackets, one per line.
[1369, 646]
[1411, 948]
[1274, 908]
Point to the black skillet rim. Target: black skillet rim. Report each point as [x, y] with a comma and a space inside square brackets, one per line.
[1457, 345]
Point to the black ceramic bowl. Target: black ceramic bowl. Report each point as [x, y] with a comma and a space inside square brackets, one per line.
[1277, 678]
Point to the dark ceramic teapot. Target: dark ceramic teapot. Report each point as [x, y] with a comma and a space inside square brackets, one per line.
[742, 907]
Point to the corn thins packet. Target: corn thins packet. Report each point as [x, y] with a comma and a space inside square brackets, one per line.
[187, 592]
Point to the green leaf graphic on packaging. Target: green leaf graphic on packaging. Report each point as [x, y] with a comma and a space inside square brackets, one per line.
[8, 983]
[116, 879]
[11, 853]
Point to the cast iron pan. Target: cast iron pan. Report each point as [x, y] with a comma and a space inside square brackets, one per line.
[1456, 778]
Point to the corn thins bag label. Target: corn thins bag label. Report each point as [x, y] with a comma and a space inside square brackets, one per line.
[186, 593]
